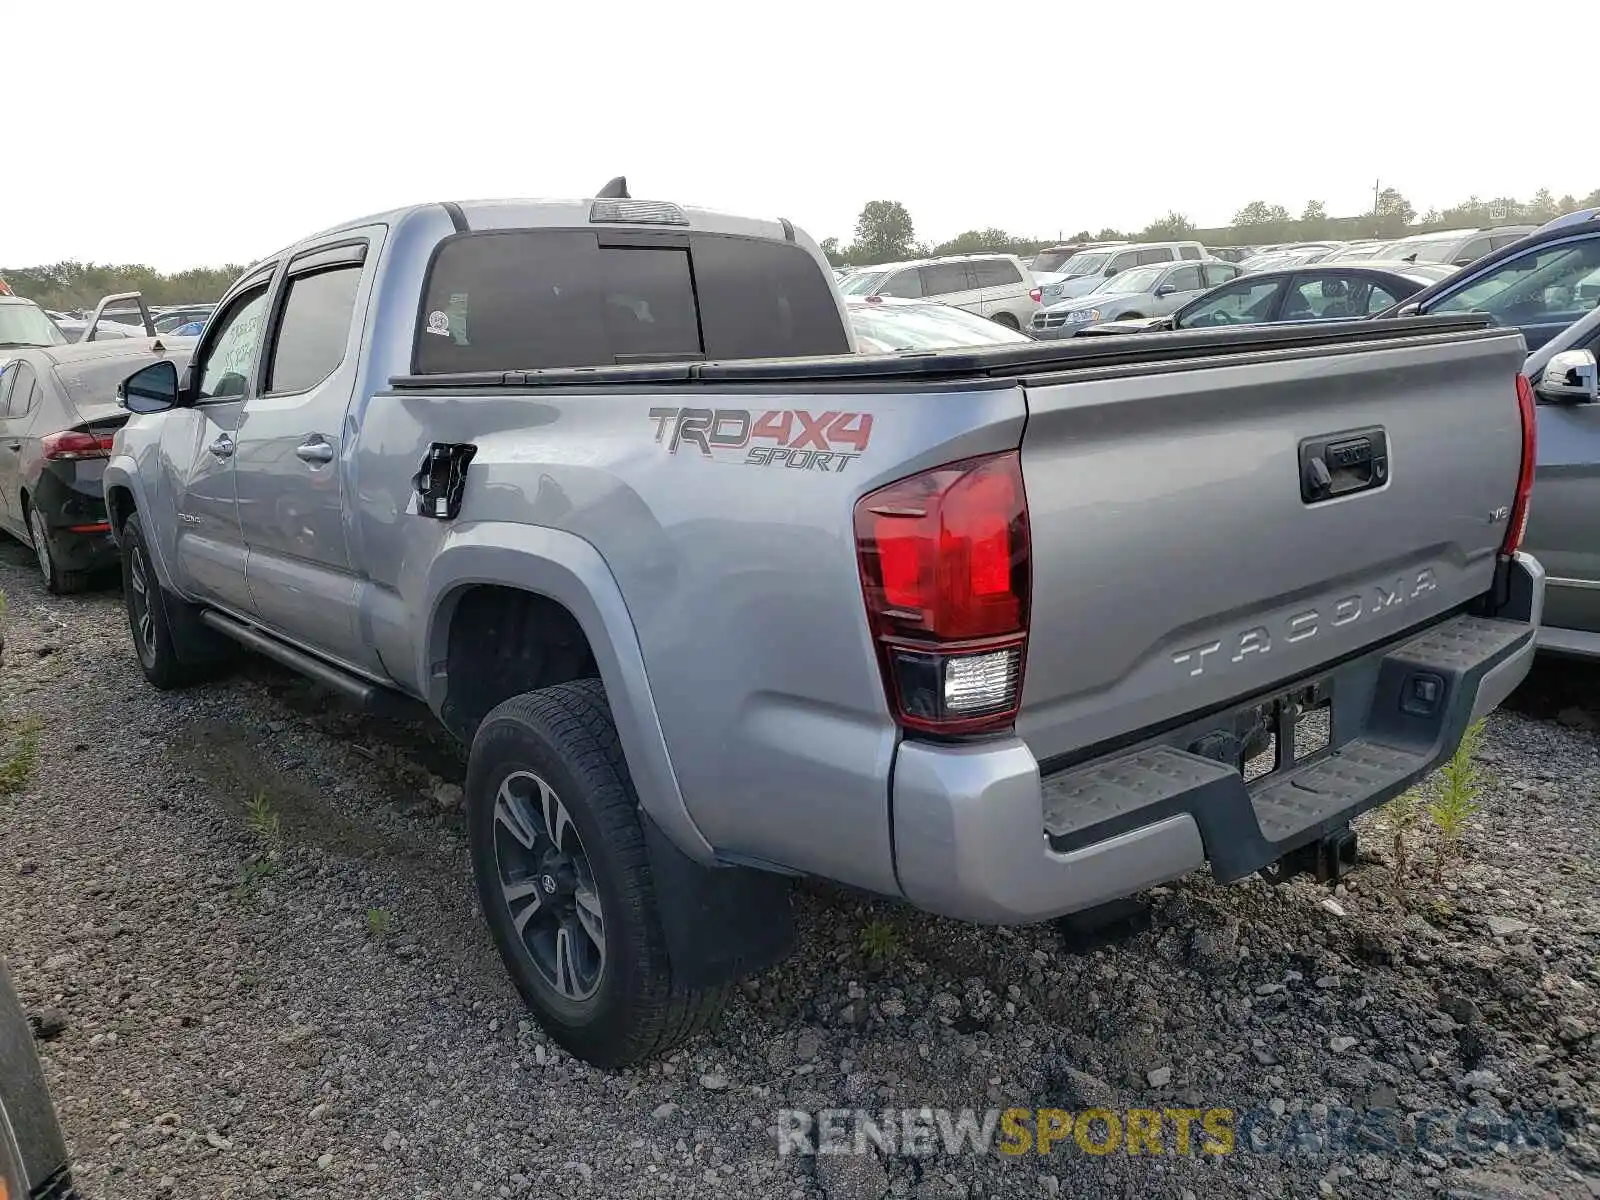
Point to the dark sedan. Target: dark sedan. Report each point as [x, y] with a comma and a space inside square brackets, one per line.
[1341, 292]
[58, 414]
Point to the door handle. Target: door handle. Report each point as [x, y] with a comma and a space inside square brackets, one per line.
[316, 451]
[222, 447]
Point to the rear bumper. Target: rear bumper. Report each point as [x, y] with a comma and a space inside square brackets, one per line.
[70, 498]
[981, 835]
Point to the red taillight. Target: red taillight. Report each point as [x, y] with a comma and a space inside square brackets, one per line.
[70, 444]
[1036, 295]
[1517, 526]
[944, 561]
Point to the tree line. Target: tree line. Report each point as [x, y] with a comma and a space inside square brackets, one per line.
[66, 286]
[885, 232]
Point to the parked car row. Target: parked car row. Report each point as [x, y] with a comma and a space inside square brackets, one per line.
[58, 412]
[181, 320]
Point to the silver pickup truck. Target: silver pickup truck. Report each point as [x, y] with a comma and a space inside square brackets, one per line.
[1009, 633]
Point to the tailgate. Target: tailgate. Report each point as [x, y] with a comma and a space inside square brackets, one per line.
[1178, 562]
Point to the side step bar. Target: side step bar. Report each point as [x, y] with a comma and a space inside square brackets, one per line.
[368, 696]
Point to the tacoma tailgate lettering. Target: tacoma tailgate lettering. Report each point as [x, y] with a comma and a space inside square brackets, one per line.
[1306, 624]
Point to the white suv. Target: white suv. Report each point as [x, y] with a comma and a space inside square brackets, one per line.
[996, 286]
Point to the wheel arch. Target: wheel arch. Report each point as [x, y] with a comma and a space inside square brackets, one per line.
[554, 568]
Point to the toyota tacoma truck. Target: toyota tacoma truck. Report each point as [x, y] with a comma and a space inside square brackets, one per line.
[715, 601]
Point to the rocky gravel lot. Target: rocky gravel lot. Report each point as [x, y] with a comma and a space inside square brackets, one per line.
[242, 919]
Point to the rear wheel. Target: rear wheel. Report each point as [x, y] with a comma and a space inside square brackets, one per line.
[1006, 319]
[564, 880]
[57, 581]
[1131, 317]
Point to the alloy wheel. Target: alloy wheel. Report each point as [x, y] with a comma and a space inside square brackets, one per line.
[41, 544]
[548, 886]
[144, 633]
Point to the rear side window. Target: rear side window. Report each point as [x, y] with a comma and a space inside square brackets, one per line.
[530, 299]
[1159, 255]
[997, 272]
[314, 329]
[22, 387]
[944, 278]
[1188, 251]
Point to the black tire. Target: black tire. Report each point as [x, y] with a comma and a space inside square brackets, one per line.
[56, 581]
[174, 650]
[1129, 317]
[564, 737]
[1007, 320]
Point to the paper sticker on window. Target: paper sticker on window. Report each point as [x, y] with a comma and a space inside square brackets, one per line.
[439, 323]
[458, 318]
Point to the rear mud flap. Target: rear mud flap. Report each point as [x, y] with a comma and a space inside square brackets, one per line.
[720, 923]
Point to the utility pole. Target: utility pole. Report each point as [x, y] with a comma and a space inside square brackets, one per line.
[1375, 185]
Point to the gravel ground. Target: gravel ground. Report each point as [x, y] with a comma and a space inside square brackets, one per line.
[242, 919]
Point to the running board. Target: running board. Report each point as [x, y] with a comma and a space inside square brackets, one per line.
[368, 696]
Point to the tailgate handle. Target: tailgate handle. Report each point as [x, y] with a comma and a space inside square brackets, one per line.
[1340, 464]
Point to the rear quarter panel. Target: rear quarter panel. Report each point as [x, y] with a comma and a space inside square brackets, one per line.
[737, 564]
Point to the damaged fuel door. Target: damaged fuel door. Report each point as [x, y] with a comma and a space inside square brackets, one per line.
[441, 480]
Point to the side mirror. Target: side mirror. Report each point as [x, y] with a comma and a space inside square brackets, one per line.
[1110, 271]
[1167, 289]
[150, 389]
[1570, 377]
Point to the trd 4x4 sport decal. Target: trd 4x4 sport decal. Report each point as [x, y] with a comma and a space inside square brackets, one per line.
[794, 438]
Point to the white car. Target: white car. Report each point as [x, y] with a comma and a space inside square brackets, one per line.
[996, 286]
[884, 325]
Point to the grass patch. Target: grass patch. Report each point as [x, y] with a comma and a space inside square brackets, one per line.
[263, 819]
[21, 756]
[253, 875]
[380, 921]
[1456, 790]
[878, 941]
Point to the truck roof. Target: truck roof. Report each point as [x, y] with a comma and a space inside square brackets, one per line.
[550, 213]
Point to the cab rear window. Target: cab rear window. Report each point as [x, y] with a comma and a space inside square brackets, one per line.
[507, 300]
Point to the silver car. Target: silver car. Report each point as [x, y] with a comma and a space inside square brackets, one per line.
[1562, 375]
[1129, 295]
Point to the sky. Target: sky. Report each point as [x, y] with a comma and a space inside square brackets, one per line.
[220, 131]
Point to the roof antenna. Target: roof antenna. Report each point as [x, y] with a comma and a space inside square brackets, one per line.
[617, 189]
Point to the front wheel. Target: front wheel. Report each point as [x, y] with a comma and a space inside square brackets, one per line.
[1005, 319]
[559, 857]
[169, 658]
